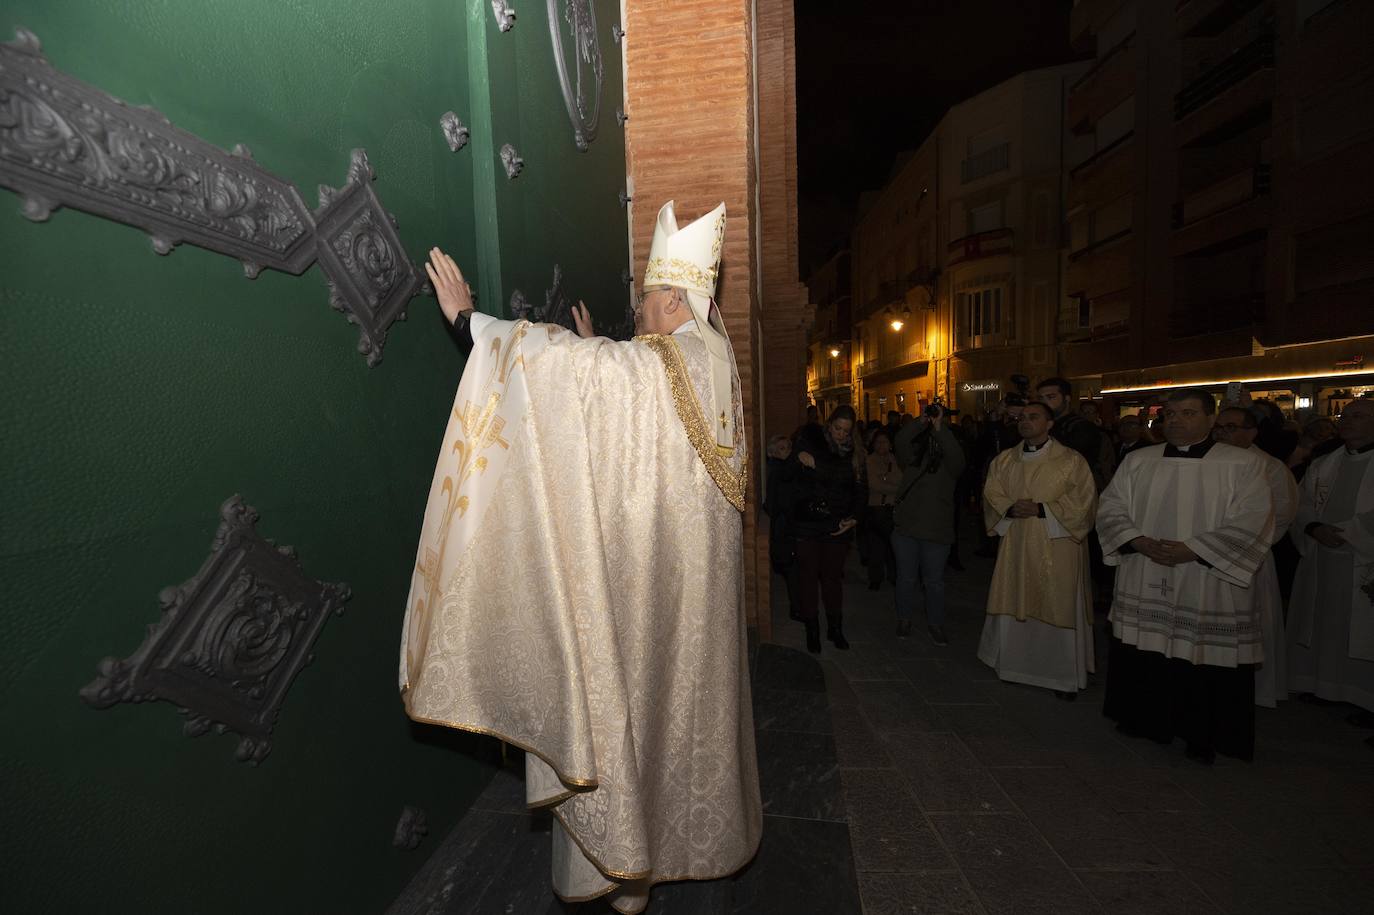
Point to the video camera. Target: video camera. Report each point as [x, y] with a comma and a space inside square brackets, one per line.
[937, 407]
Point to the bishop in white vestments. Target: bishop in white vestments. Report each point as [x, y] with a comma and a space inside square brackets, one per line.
[1331, 615]
[1040, 499]
[577, 588]
[1187, 524]
[1237, 426]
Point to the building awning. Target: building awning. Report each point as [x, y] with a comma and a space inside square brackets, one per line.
[1330, 361]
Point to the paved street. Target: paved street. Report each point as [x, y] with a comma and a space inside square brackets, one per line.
[966, 794]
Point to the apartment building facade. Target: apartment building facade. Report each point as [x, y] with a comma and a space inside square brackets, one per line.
[1219, 211]
[956, 260]
[829, 372]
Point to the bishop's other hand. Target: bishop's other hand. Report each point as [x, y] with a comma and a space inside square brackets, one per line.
[582, 319]
[455, 295]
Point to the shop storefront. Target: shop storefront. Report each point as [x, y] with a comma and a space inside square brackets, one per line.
[905, 395]
[975, 398]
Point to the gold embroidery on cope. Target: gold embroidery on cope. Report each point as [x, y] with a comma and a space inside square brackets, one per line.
[732, 484]
[479, 429]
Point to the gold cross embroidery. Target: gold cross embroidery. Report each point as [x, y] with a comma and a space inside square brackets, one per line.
[723, 424]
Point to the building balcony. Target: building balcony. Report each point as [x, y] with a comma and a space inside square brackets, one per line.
[1107, 174]
[889, 362]
[1237, 89]
[1216, 316]
[988, 162]
[1105, 315]
[1087, 17]
[1109, 83]
[1101, 268]
[1233, 207]
[895, 360]
[1208, 18]
[822, 381]
[979, 245]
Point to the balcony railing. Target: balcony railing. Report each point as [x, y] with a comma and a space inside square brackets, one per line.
[909, 356]
[1224, 194]
[831, 379]
[985, 163]
[981, 244]
[1082, 167]
[1257, 55]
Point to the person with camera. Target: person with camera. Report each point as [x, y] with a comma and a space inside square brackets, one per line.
[932, 460]
[824, 478]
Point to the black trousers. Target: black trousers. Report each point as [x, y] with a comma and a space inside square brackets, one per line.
[877, 533]
[1211, 708]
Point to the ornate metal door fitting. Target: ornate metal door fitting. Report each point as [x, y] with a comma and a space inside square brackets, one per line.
[231, 639]
[370, 278]
[64, 142]
[455, 134]
[505, 16]
[579, 65]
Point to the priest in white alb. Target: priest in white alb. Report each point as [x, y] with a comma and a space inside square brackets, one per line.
[1237, 426]
[577, 588]
[1187, 525]
[1040, 499]
[1331, 616]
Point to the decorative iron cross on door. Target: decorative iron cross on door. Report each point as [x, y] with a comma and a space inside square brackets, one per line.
[1163, 588]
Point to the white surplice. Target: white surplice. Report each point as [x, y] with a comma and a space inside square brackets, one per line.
[1220, 506]
[1331, 616]
[1030, 650]
[1271, 679]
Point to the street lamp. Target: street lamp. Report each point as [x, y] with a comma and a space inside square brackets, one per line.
[834, 352]
[896, 321]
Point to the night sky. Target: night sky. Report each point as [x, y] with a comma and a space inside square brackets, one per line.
[874, 77]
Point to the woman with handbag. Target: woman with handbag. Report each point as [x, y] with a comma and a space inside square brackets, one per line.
[825, 509]
[884, 477]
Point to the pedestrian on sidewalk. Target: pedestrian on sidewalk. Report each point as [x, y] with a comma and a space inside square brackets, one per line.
[826, 503]
[777, 504]
[884, 477]
[923, 520]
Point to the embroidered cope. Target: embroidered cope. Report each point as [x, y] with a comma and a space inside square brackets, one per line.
[577, 593]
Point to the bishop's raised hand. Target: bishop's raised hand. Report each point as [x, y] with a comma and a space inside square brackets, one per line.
[453, 292]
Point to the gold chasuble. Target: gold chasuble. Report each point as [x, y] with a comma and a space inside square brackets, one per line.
[577, 593]
[1038, 576]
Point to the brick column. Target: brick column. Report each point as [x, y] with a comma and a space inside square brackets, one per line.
[690, 138]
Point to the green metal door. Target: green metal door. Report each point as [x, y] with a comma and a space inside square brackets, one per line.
[141, 391]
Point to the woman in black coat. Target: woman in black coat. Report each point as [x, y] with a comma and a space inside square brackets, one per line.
[827, 499]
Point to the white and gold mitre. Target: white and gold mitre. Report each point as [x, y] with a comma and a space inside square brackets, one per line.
[689, 259]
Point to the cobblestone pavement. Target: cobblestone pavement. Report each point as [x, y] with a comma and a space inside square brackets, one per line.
[965, 794]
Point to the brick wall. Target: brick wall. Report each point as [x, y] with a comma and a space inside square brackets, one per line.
[690, 76]
[688, 87]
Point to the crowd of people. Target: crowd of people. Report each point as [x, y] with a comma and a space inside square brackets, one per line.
[1230, 547]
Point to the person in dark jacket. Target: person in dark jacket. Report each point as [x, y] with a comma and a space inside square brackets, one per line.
[777, 503]
[1072, 428]
[826, 502]
[931, 459]
[1130, 436]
